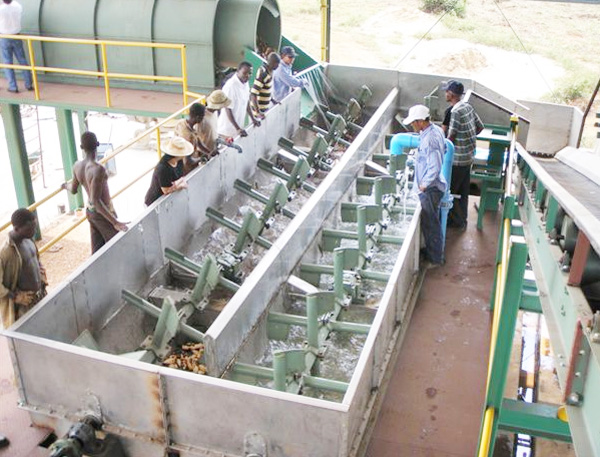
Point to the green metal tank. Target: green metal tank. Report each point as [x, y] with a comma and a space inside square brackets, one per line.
[215, 32]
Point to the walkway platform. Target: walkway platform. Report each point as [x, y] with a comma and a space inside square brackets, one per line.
[91, 98]
[433, 403]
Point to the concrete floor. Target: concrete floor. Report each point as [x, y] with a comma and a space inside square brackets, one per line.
[433, 404]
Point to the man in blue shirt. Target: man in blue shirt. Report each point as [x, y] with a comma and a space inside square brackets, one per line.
[429, 180]
[283, 79]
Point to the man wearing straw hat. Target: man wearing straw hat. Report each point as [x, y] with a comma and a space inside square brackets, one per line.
[168, 174]
[94, 179]
[209, 128]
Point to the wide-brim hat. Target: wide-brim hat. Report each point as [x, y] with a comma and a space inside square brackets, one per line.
[416, 113]
[178, 147]
[217, 100]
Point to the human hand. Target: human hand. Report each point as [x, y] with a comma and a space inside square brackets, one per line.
[422, 188]
[242, 132]
[24, 297]
[121, 226]
[256, 122]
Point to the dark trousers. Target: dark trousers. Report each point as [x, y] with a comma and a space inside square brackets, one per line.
[460, 185]
[431, 225]
[101, 230]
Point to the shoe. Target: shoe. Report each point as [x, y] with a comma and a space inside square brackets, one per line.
[4, 442]
[30, 89]
[14, 91]
[429, 265]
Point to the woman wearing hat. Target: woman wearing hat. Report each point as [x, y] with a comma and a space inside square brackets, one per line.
[168, 174]
[209, 126]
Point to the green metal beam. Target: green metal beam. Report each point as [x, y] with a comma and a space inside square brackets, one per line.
[536, 419]
[17, 153]
[68, 149]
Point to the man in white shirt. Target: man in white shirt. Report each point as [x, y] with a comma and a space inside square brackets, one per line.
[10, 24]
[232, 121]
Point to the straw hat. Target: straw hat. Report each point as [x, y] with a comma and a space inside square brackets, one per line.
[178, 147]
[217, 100]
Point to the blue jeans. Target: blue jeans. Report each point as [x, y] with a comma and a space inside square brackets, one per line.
[14, 47]
[431, 225]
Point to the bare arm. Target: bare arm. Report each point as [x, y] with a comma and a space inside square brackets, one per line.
[255, 121]
[240, 130]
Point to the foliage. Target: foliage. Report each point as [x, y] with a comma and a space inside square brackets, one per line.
[456, 7]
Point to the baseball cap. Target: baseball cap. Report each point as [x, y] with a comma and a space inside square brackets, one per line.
[416, 113]
[455, 87]
[288, 51]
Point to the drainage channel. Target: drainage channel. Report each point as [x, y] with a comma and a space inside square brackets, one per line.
[299, 284]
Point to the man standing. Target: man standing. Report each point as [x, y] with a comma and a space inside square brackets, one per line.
[231, 121]
[23, 277]
[283, 79]
[209, 126]
[260, 94]
[94, 179]
[10, 24]
[463, 126]
[189, 130]
[429, 180]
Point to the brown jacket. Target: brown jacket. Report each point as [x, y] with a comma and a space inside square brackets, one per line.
[10, 269]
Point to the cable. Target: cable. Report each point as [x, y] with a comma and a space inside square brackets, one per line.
[426, 33]
[525, 49]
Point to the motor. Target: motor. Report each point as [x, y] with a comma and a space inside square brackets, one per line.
[81, 440]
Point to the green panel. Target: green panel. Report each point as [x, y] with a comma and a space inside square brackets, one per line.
[54, 22]
[135, 26]
[68, 148]
[303, 60]
[534, 419]
[17, 153]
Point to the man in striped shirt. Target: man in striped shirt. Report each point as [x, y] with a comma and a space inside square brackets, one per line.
[463, 127]
[260, 94]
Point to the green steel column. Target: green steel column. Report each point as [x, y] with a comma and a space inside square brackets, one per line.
[17, 153]
[506, 330]
[68, 148]
[338, 274]
[82, 119]
[361, 217]
[279, 371]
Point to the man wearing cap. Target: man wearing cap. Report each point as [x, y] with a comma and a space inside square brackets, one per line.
[209, 128]
[22, 278]
[232, 119]
[462, 124]
[168, 174]
[260, 94]
[94, 179]
[429, 180]
[283, 79]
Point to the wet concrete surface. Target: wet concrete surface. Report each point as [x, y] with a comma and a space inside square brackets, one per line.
[434, 401]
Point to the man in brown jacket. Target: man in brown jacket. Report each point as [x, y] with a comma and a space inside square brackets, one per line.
[23, 277]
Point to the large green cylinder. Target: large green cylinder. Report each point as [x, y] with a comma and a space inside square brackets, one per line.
[215, 32]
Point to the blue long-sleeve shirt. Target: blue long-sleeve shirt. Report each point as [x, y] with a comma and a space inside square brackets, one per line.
[430, 154]
[283, 81]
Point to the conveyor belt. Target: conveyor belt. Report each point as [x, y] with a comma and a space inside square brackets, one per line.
[583, 189]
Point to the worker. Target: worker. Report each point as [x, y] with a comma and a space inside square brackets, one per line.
[260, 94]
[23, 276]
[168, 174]
[236, 88]
[94, 179]
[283, 79]
[429, 181]
[209, 127]
[10, 24]
[463, 127]
[189, 130]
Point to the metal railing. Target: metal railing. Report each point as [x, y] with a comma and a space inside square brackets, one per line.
[501, 275]
[105, 73]
[154, 129]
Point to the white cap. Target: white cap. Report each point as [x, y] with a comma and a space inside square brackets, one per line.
[416, 113]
